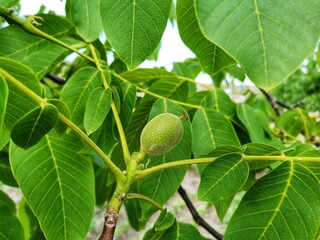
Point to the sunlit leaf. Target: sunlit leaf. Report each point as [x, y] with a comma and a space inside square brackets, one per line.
[269, 39]
[85, 16]
[97, 108]
[19, 103]
[223, 178]
[58, 184]
[9, 3]
[78, 89]
[290, 195]
[210, 130]
[134, 27]
[32, 127]
[37, 53]
[313, 166]
[212, 58]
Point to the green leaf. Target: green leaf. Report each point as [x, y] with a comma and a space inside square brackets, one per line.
[129, 95]
[32, 127]
[219, 101]
[173, 231]
[85, 16]
[210, 130]
[6, 175]
[212, 58]
[97, 108]
[60, 127]
[8, 3]
[77, 91]
[19, 103]
[256, 126]
[269, 39]
[36, 52]
[146, 74]
[313, 166]
[162, 185]
[223, 178]
[293, 121]
[4, 93]
[289, 194]
[260, 149]
[134, 27]
[4, 138]
[10, 226]
[58, 184]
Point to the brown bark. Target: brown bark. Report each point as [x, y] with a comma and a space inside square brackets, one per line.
[110, 223]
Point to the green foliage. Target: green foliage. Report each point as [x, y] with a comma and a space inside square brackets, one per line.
[70, 125]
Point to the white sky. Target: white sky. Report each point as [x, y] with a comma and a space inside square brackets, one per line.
[172, 48]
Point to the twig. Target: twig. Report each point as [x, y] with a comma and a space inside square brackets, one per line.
[197, 218]
[272, 100]
[55, 79]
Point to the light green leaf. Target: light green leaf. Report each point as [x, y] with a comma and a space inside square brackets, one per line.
[211, 57]
[269, 39]
[8, 3]
[58, 184]
[97, 108]
[146, 74]
[85, 16]
[32, 127]
[223, 178]
[284, 204]
[219, 101]
[164, 221]
[10, 226]
[19, 103]
[4, 93]
[37, 53]
[78, 89]
[162, 185]
[210, 130]
[134, 27]
[4, 138]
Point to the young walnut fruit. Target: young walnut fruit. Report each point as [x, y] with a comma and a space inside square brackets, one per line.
[161, 134]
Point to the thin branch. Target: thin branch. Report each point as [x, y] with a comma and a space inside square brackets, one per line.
[197, 218]
[55, 79]
[272, 100]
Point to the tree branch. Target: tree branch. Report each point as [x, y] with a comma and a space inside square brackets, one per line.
[197, 218]
[55, 79]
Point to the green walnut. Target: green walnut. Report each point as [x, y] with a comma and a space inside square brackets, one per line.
[161, 134]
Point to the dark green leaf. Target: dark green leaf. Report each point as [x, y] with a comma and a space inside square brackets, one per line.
[32, 127]
[58, 184]
[212, 58]
[97, 108]
[223, 178]
[10, 226]
[85, 16]
[60, 127]
[269, 39]
[129, 92]
[134, 27]
[6, 175]
[210, 130]
[290, 195]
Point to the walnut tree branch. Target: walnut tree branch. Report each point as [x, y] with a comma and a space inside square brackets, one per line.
[197, 218]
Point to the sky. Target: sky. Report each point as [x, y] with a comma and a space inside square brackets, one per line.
[172, 48]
